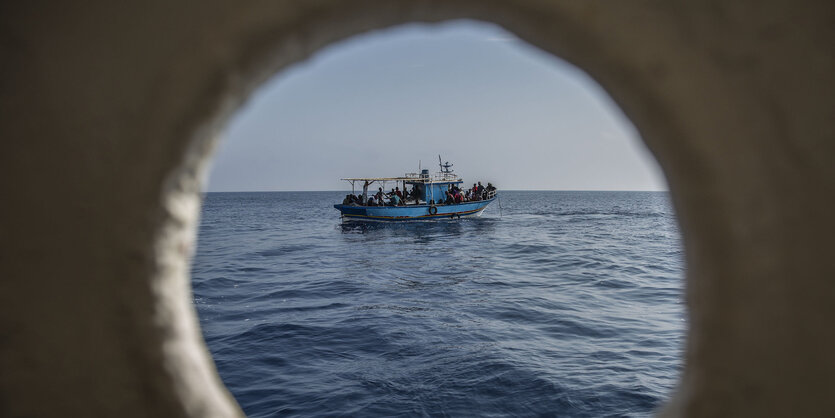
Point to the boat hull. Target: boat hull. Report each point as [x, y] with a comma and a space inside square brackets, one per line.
[412, 212]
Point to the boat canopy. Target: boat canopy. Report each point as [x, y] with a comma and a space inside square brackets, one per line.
[373, 179]
[431, 188]
[410, 178]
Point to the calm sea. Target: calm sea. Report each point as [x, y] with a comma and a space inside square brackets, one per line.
[554, 304]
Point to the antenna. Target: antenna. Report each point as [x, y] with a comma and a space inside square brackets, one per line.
[444, 166]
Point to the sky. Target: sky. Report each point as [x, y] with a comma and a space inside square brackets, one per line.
[383, 103]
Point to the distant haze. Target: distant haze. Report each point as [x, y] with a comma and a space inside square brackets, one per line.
[377, 104]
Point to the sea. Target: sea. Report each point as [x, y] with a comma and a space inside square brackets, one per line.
[565, 304]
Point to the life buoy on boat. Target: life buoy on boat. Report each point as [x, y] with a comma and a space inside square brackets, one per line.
[433, 210]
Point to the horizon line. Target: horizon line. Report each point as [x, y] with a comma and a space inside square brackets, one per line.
[506, 190]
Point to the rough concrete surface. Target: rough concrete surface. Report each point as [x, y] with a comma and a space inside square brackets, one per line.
[108, 112]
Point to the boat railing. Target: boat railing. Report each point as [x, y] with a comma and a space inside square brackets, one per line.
[491, 194]
[445, 177]
[437, 177]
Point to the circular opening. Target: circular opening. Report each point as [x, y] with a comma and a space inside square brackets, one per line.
[558, 302]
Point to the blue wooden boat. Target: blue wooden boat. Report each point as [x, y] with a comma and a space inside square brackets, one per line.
[425, 202]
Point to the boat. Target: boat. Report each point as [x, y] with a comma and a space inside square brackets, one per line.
[425, 202]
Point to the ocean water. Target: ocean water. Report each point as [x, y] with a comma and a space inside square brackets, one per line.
[550, 304]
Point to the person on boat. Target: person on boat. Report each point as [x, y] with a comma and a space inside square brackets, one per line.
[347, 200]
[394, 199]
[398, 192]
[457, 197]
[379, 195]
[480, 189]
[365, 193]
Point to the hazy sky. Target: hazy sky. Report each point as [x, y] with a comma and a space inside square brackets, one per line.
[377, 104]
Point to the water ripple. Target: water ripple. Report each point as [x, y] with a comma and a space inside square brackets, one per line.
[569, 304]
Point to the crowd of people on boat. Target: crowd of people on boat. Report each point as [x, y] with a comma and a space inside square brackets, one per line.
[455, 195]
[396, 197]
